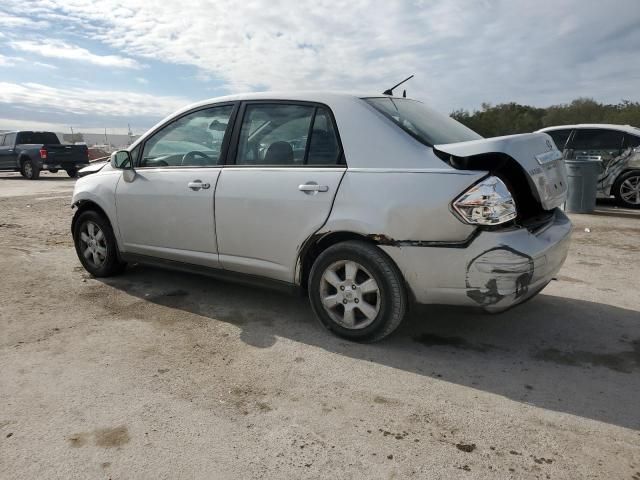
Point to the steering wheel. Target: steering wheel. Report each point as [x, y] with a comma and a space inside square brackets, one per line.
[189, 158]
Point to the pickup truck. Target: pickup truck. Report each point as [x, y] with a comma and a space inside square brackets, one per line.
[31, 152]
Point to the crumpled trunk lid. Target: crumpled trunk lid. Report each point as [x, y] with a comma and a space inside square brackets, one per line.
[536, 153]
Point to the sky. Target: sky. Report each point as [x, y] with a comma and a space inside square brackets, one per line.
[93, 65]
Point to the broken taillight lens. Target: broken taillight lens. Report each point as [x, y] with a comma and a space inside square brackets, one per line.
[486, 203]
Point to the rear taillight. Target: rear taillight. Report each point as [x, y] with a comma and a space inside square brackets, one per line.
[486, 203]
[43, 153]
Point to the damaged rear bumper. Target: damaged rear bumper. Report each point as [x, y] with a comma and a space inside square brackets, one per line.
[495, 271]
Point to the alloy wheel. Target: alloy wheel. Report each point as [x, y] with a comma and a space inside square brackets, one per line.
[350, 294]
[93, 244]
[630, 190]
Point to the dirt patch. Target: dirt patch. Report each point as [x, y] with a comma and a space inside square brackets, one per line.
[625, 362]
[433, 340]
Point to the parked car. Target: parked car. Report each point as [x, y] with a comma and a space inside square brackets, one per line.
[31, 152]
[617, 147]
[365, 202]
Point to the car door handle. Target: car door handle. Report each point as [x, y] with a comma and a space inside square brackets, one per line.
[197, 185]
[311, 187]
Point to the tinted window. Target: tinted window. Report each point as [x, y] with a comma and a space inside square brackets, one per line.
[10, 140]
[37, 138]
[631, 141]
[193, 140]
[597, 139]
[274, 134]
[421, 122]
[560, 137]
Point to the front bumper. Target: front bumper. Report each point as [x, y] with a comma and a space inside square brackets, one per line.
[495, 271]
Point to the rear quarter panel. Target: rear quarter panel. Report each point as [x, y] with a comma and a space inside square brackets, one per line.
[401, 205]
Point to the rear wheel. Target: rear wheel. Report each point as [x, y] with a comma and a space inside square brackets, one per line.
[72, 172]
[626, 189]
[357, 292]
[54, 170]
[96, 245]
[29, 170]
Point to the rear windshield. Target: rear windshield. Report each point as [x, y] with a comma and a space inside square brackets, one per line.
[27, 138]
[421, 122]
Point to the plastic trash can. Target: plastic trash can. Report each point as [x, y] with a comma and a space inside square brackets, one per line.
[582, 185]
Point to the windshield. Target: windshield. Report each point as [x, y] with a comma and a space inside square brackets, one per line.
[421, 122]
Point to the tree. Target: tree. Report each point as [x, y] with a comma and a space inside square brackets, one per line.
[511, 118]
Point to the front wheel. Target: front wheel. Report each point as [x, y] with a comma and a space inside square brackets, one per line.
[626, 189]
[96, 245]
[357, 292]
[72, 172]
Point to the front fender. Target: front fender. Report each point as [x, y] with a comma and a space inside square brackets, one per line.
[100, 189]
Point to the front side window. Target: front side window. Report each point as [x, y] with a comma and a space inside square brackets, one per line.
[287, 135]
[594, 140]
[194, 140]
[560, 137]
[421, 122]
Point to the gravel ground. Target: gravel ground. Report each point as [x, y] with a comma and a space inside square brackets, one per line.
[156, 374]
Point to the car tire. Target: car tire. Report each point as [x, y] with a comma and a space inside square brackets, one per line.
[357, 292]
[29, 170]
[72, 172]
[96, 245]
[54, 170]
[626, 189]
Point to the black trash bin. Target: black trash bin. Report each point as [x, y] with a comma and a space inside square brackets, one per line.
[582, 185]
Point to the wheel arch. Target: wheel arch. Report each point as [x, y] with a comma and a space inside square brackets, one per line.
[82, 206]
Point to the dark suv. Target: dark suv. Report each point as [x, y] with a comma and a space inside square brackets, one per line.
[616, 146]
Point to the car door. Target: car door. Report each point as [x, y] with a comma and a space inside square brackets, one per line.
[278, 189]
[167, 210]
[8, 155]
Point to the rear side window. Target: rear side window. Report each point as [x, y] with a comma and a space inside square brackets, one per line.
[631, 141]
[37, 138]
[421, 122]
[560, 137]
[597, 139]
[287, 135]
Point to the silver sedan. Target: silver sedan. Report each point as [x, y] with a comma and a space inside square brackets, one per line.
[365, 202]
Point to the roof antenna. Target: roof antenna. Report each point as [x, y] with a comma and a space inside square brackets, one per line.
[390, 91]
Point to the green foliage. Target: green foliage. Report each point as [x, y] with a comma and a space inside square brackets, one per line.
[510, 118]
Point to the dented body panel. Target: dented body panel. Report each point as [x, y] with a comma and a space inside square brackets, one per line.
[497, 270]
[536, 154]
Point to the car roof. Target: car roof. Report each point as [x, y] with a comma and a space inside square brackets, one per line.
[607, 126]
[318, 96]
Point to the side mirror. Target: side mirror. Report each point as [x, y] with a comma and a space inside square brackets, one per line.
[122, 160]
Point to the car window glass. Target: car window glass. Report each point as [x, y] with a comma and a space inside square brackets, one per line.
[1, 140]
[597, 139]
[560, 137]
[192, 140]
[631, 141]
[10, 139]
[274, 134]
[324, 148]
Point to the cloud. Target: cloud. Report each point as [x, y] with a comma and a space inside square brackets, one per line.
[463, 52]
[81, 101]
[59, 49]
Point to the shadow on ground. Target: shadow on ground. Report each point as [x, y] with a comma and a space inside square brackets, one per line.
[556, 353]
